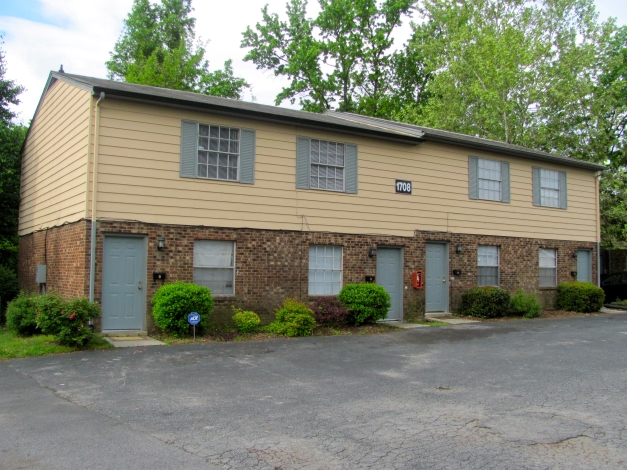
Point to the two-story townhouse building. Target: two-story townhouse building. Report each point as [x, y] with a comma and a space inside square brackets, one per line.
[125, 187]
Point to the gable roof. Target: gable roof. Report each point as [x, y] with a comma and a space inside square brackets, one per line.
[346, 123]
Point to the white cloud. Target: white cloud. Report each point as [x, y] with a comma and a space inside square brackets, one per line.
[87, 31]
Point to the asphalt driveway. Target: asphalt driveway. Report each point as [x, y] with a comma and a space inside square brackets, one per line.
[522, 394]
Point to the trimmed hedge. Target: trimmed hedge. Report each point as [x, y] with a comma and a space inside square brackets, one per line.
[329, 311]
[22, 315]
[294, 318]
[174, 301]
[485, 302]
[246, 321]
[365, 302]
[582, 297]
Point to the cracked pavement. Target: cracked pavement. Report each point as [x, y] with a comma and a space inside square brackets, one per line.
[520, 394]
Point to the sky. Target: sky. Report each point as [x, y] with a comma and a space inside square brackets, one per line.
[40, 35]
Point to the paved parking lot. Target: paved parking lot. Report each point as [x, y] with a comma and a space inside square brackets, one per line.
[521, 394]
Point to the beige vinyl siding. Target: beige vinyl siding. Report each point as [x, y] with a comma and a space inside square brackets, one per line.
[139, 180]
[53, 188]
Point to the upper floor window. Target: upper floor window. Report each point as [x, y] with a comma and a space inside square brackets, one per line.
[488, 179]
[327, 165]
[321, 164]
[217, 152]
[549, 188]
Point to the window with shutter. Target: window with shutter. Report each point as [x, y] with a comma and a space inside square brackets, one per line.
[330, 166]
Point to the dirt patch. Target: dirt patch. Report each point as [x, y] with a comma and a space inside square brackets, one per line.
[216, 335]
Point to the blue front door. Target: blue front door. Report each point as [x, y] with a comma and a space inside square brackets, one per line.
[123, 279]
[436, 278]
[390, 277]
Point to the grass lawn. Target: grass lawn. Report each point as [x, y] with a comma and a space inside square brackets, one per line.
[13, 346]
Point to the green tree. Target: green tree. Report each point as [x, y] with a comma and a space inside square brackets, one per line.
[341, 59]
[158, 47]
[11, 139]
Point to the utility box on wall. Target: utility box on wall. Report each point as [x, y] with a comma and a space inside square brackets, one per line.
[416, 280]
[40, 274]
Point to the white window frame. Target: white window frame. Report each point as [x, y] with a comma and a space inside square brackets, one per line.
[483, 261]
[197, 265]
[325, 271]
[486, 176]
[547, 187]
[228, 153]
[327, 166]
[546, 262]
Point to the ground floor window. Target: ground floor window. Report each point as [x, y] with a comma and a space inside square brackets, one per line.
[325, 270]
[548, 267]
[488, 265]
[214, 266]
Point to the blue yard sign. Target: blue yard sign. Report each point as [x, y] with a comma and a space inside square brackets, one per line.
[193, 318]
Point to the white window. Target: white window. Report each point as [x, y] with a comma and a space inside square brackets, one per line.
[548, 267]
[214, 266]
[325, 270]
[488, 265]
[327, 165]
[549, 188]
[218, 152]
[490, 178]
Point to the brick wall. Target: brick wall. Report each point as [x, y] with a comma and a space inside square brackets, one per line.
[65, 250]
[273, 265]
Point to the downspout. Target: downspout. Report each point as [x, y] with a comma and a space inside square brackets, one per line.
[92, 266]
[598, 212]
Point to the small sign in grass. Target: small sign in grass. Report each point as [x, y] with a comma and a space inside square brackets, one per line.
[13, 346]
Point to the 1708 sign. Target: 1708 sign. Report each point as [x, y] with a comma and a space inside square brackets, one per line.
[403, 187]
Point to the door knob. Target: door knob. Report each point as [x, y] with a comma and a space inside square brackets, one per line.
[139, 285]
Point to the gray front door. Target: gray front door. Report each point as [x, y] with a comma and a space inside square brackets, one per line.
[390, 277]
[437, 278]
[123, 279]
[584, 265]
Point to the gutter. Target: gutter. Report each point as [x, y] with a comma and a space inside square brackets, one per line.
[92, 264]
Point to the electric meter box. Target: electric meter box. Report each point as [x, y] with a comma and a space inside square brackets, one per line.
[40, 274]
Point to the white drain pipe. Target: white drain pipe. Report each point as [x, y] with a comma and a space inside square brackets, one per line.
[92, 264]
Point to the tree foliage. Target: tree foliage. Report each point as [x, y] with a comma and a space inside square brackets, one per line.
[11, 139]
[158, 47]
[545, 75]
[342, 59]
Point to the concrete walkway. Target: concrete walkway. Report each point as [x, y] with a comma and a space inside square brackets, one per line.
[448, 318]
[133, 341]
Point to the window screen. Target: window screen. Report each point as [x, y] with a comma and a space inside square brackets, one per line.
[327, 165]
[548, 267]
[218, 152]
[488, 265]
[325, 270]
[549, 188]
[489, 173]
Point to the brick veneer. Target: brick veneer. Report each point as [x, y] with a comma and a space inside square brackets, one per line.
[272, 265]
[65, 250]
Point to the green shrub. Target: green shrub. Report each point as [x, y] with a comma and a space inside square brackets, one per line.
[49, 308]
[623, 303]
[22, 315]
[9, 288]
[582, 297]
[526, 305]
[173, 302]
[365, 302]
[485, 302]
[246, 322]
[330, 311]
[67, 321]
[294, 318]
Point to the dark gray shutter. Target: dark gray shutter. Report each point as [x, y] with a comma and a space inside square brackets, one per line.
[473, 177]
[504, 181]
[535, 177]
[303, 156]
[247, 156]
[351, 168]
[563, 191]
[189, 149]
